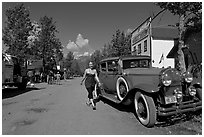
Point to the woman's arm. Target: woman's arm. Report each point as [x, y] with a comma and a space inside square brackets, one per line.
[84, 77]
[96, 77]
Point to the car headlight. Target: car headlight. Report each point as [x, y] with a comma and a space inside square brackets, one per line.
[192, 91]
[166, 80]
[188, 77]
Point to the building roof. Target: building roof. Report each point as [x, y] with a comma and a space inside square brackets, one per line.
[165, 33]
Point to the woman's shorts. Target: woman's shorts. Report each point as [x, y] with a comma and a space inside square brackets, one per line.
[90, 91]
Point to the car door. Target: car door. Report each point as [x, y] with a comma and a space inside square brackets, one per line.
[103, 74]
[112, 73]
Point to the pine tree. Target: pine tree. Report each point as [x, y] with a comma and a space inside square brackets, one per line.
[16, 32]
[48, 45]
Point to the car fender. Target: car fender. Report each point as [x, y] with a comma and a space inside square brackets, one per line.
[145, 88]
[149, 88]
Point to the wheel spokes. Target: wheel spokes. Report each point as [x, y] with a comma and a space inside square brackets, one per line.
[142, 110]
[123, 90]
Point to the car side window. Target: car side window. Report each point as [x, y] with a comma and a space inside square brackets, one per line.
[112, 66]
[144, 63]
[103, 66]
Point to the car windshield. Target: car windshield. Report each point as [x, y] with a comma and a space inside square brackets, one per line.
[135, 63]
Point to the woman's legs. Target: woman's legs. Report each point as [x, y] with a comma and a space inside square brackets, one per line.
[90, 96]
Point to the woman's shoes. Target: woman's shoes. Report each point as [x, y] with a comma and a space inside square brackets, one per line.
[88, 103]
[93, 107]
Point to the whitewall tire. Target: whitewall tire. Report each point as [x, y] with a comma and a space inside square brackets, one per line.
[122, 88]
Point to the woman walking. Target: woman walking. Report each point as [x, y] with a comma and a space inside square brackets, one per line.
[90, 77]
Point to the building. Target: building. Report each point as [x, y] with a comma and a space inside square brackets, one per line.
[155, 42]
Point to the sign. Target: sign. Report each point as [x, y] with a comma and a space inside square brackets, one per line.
[142, 31]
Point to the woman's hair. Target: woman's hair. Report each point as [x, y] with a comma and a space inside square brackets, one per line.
[91, 62]
[94, 66]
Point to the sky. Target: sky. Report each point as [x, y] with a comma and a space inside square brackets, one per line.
[86, 26]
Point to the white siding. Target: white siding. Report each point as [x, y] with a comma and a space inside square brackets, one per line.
[160, 47]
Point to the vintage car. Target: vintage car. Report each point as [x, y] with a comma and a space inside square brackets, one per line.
[13, 74]
[155, 92]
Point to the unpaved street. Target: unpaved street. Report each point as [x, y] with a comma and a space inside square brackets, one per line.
[61, 109]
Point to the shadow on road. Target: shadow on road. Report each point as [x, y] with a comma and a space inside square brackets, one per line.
[191, 117]
[12, 92]
[119, 107]
[166, 122]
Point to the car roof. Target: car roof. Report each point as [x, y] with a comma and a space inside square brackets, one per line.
[109, 59]
[125, 58]
[135, 57]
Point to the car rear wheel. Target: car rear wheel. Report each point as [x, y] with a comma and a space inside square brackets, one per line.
[145, 109]
[122, 88]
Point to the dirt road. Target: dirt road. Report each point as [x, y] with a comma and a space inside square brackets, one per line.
[61, 109]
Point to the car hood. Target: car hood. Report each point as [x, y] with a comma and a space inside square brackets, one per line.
[143, 71]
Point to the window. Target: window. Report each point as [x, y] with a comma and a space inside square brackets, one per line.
[144, 63]
[103, 67]
[135, 63]
[112, 66]
[134, 49]
[145, 45]
[139, 49]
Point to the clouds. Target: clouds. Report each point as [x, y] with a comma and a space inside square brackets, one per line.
[86, 53]
[72, 46]
[78, 44]
[80, 47]
[80, 41]
[80, 54]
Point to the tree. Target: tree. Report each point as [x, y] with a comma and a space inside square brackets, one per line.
[75, 69]
[127, 49]
[32, 40]
[120, 44]
[68, 60]
[106, 51]
[188, 12]
[96, 57]
[48, 46]
[16, 32]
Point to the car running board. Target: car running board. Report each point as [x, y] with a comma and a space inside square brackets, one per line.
[111, 97]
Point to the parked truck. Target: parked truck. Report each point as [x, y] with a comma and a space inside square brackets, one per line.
[14, 73]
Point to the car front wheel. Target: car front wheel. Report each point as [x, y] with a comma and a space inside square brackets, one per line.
[145, 109]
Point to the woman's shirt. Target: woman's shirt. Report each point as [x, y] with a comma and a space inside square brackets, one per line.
[90, 78]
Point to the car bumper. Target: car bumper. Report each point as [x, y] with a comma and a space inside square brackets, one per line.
[181, 108]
